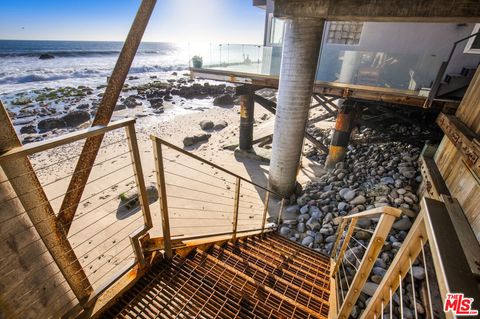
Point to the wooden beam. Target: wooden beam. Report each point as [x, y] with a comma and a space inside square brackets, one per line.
[332, 89]
[432, 179]
[374, 10]
[464, 139]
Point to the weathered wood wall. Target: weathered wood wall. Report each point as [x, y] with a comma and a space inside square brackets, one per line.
[461, 181]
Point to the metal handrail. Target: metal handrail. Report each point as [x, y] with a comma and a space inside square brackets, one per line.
[168, 240]
[170, 145]
[442, 70]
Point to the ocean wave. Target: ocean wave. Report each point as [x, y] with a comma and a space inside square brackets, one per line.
[74, 53]
[49, 75]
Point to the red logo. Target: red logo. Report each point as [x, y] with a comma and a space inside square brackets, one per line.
[459, 305]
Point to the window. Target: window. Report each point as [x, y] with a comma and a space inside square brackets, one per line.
[276, 31]
[344, 32]
[473, 44]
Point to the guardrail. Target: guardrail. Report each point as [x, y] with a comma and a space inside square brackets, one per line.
[200, 199]
[440, 259]
[101, 242]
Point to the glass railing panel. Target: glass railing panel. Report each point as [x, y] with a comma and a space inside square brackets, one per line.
[405, 71]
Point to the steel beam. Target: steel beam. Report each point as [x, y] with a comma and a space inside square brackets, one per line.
[29, 190]
[104, 113]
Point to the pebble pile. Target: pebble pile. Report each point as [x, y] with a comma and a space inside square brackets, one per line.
[371, 176]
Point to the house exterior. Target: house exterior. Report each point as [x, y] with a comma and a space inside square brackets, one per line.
[400, 55]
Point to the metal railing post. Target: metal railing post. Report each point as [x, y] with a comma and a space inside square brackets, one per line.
[157, 148]
[142, 197]
[235, 209]
[265, 210]
[280, 210]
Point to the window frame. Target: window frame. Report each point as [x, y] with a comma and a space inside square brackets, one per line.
[271, 29]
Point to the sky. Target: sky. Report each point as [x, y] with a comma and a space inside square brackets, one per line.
[180, 21]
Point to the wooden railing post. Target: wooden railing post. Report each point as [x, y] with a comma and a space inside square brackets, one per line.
[235, 209]
[373, 250]
[157, 148]
[265, 210]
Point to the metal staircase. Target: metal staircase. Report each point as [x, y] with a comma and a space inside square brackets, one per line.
[262, 276]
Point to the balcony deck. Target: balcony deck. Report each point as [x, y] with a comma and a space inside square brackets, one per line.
[334, 89]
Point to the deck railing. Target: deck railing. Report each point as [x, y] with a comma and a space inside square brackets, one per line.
[98, 245]
[200, 199]
[431, 244]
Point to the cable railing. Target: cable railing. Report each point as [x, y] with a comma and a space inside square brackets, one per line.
[426, 269]
[199, 199]
[66, 266]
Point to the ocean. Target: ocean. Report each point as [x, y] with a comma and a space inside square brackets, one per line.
[90, 63]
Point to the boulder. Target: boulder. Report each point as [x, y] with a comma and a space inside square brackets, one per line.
[220, 125]
[46, 56]
[76, 118]
[223, 100]
[206, 125]
[50, 124]
[402, 224]
[28, 129]
[192, 140]
[369, 288]
[131, 102]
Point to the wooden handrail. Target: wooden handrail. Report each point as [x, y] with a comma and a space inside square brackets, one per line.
[450, 263]
[387, 218]
[395, 212]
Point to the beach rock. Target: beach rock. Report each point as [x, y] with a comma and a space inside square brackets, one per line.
[418, 272]
[362, 235]
[369, 288]
[220, 125]
[307, 240]
[50, 124]
[120, 107]
[223, 100]
[192, 140]
[131, 102]
[360, 199]
[284, 231]
[206, 125]
[76, 118]
[130, 199]
[402, 224]
[46, 56]
[28, 129]
[156, 103]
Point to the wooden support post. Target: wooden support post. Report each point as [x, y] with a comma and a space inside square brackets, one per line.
[235, 209]
[104, 113]
[30, 192]
[373, 250]
[265, 210]
[157, 151]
